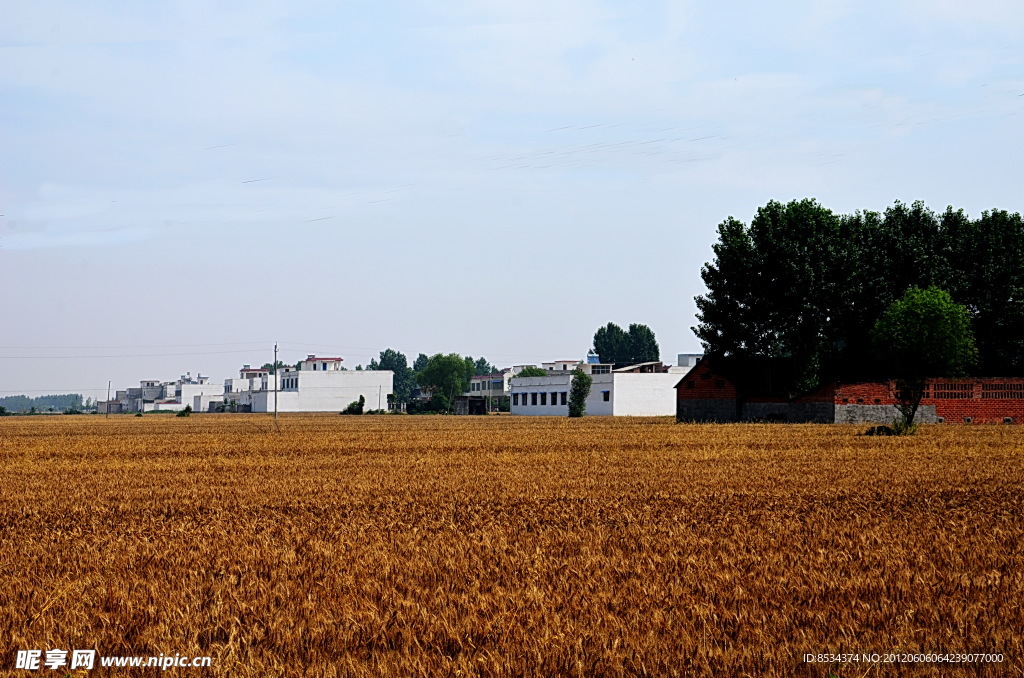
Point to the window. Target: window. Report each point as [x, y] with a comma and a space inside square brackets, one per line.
[533, 398]
[544, 398]
[515, 399]
[953, 391]
[563, 397]
[606, 395]
[601, 369]
[554, 398]
[1002, 391]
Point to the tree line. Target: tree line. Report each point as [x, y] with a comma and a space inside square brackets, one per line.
[793, 298]
[47, 403]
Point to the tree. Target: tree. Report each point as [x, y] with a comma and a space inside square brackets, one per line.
[356, 406]
[187, 411]
[404, 379]
[578, 392]
[271, 366]
[482, 367]
[792, 299]
[611, 343]
[420, 363]
[643, 347]
[924, 334]
[444, 375]
[532, 371]
[614, 345]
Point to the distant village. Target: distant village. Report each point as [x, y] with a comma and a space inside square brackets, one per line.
[322, 384]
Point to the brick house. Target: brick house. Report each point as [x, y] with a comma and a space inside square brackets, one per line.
[704, 395]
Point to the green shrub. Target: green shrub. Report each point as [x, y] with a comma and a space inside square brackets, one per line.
[355, 407]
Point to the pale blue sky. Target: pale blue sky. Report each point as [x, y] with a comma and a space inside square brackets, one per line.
[184, 183]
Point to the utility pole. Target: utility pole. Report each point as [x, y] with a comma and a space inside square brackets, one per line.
[108, 400]
[275, 381]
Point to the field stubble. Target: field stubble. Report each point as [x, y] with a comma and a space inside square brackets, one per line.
[503, 546]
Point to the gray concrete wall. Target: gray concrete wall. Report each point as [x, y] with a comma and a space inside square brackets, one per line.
[815, 413]
[881, 414]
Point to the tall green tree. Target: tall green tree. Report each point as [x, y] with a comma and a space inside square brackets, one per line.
[532, 371]
[643, 347]
[444, 375]
[611, 343]
[420, 363]
[404, 380]
[924, 334]
[578, 392]
[482, 367]
[614, 345]
[792, 299]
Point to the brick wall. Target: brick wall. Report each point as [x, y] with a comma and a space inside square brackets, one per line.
[989, 400]
[704, 396]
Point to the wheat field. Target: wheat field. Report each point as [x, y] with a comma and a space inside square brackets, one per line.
[502, 546]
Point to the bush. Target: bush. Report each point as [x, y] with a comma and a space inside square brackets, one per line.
[355, 407]
[185, 412]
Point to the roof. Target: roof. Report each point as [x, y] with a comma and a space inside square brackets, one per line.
[633, 367]
[314, 358]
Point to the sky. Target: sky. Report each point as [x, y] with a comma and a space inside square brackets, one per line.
[183, 184]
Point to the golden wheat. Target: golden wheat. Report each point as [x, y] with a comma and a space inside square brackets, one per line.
[500, 546]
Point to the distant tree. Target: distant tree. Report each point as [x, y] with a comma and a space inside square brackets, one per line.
[271, 366]
[420, 363]
[404, 379]
[924, 334]
[643, 347]
[444, 375]
[3, 411]
[532, 371]
[187, 411]
[482, 367]
[468, 373]
[578, 392]
[611, 343]
[614, 345]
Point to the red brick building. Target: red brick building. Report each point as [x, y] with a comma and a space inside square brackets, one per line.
[703, 395]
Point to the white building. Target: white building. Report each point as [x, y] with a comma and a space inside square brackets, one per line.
[494, 388]
[644, 390]
[238, 392]
[153, 395]
[316, 384]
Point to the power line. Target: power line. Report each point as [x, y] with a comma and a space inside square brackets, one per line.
[231, 343]
[122, 355]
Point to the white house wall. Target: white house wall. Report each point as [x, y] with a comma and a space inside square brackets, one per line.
[596, 405]
[629, 394]
[329, 391]
[644, 395]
